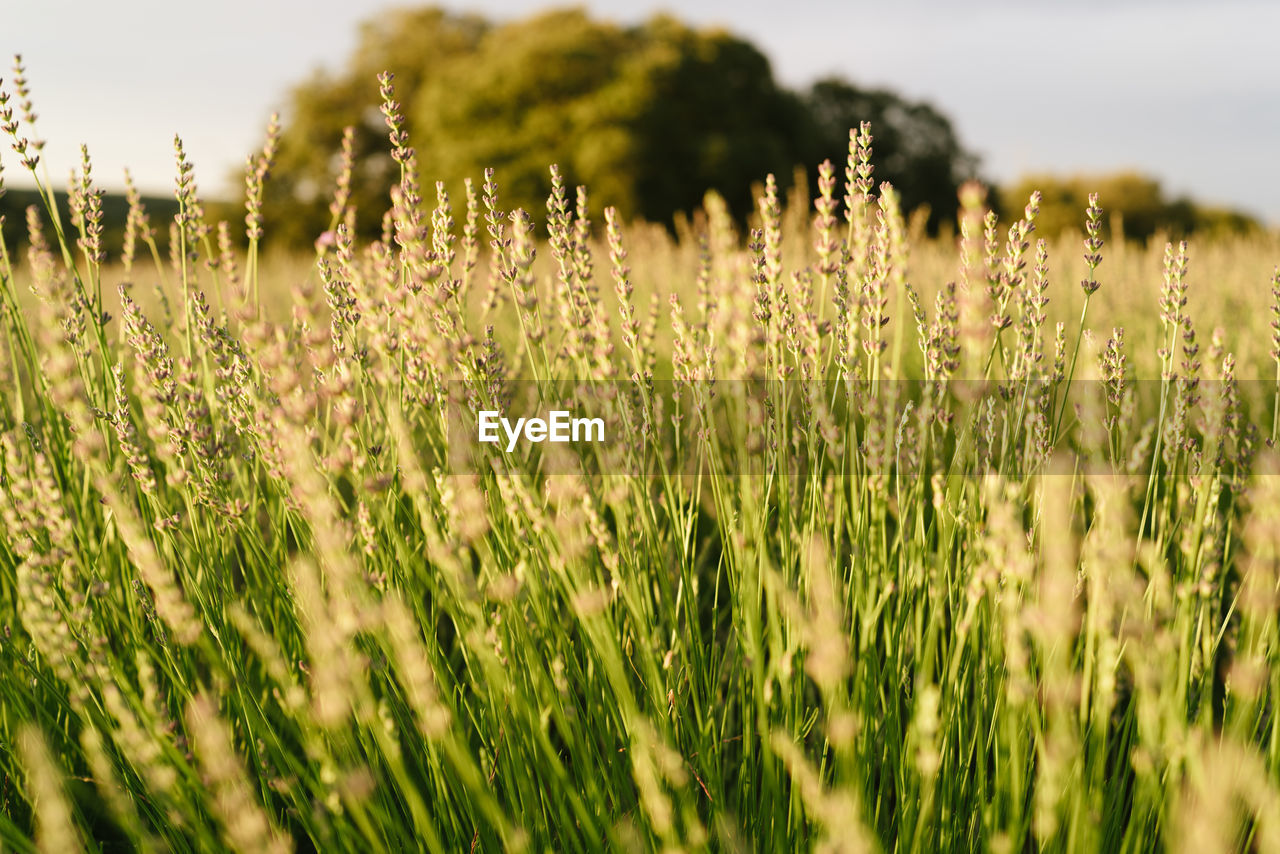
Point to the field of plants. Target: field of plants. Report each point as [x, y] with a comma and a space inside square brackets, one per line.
[897, 543]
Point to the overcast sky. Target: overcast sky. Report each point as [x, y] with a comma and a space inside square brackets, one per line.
[1186, 91]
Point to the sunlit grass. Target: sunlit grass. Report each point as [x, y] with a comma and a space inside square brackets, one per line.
[249, 604]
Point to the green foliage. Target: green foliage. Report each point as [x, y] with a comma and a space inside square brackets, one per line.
[650, 117]
[115, 213]
[1137, 203]
[414, 44]
[916, 148]
[558, 86]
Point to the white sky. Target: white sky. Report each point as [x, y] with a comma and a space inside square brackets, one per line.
[1186, 91]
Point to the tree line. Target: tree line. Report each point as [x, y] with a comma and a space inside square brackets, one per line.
[649, 117]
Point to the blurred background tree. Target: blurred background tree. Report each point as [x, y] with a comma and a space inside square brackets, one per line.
[649, 117]
[115, 213]
[412, 43]
[1135, 203]
[915, 147]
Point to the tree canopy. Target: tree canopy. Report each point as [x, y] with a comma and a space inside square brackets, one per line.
[916, 149]
[649, 117]
[413, 44]
[1134, 201]
[14, 203]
